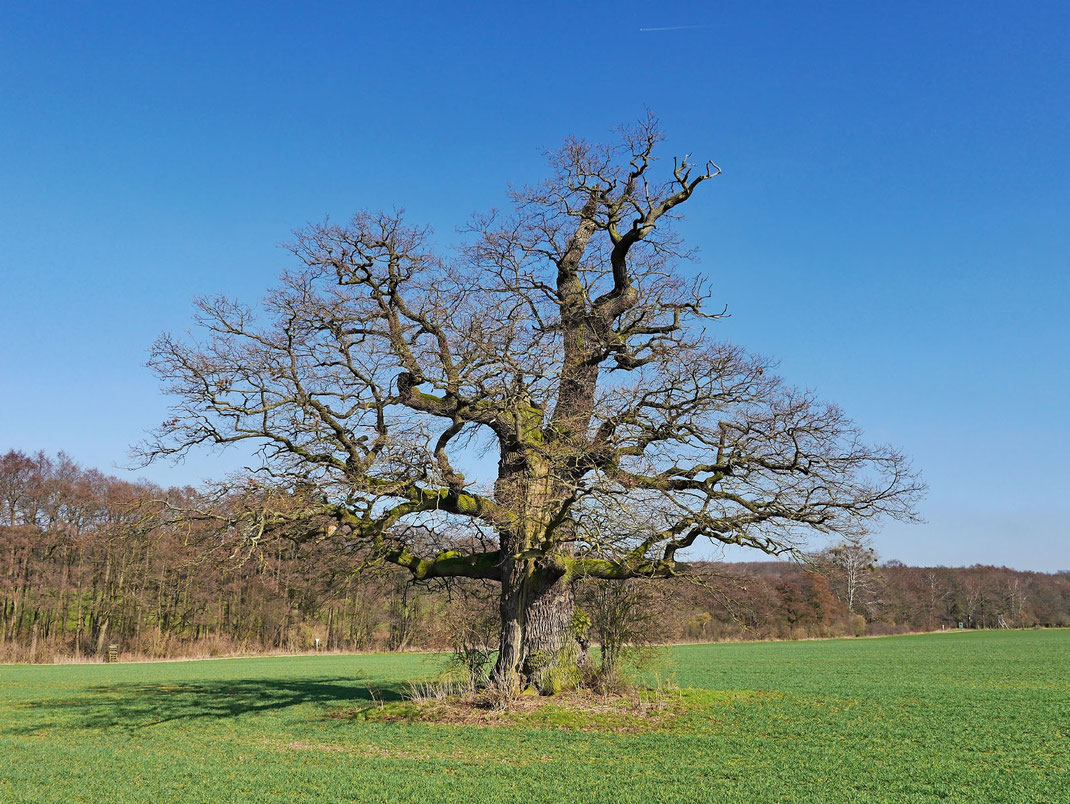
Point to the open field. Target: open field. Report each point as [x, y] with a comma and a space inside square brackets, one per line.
[961, 717]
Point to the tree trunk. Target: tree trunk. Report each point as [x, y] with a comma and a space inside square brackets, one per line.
[551, 627]
[538, 645]
[512, 608]
[536, 601]
[554, 647]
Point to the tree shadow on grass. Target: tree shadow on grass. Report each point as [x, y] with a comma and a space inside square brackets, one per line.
[133, 706]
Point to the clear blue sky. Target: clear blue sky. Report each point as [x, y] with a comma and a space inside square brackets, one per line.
[893, 222]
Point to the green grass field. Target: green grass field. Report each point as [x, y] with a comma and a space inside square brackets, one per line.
[961, 717]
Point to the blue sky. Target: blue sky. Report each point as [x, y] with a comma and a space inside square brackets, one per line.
[892, 222]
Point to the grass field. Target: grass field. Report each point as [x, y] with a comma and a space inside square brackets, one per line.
[961, 717]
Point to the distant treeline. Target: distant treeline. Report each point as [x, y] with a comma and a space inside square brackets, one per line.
[88, 561]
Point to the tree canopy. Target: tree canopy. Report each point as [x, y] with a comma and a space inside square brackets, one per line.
[563, 332]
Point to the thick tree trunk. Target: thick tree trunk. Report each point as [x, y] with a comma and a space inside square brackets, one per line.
[536, 602]
[539, 645]
[554, 648]
[549, 616]
[551, 627]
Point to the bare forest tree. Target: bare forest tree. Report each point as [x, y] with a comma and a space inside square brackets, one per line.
[852, 567]
[562, 335]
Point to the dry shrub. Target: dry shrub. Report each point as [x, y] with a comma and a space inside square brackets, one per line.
[624, 616]
[472, 627]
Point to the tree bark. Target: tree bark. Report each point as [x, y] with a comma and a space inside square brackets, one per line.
[549, 616]
[537, 625]
[551, 633]
[512, 608]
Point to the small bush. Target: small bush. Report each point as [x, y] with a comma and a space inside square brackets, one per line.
[623, 614]
[857, 624]
[473, 629]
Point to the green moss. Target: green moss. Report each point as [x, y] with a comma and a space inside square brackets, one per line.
[553, 673]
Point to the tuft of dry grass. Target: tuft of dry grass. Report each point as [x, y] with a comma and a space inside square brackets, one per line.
[637, 711]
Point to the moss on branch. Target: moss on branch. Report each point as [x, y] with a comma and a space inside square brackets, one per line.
[449, 564]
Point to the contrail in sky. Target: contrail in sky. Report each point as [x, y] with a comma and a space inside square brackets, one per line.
[675, 28]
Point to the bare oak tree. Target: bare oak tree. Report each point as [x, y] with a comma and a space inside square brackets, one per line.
[561, 334]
